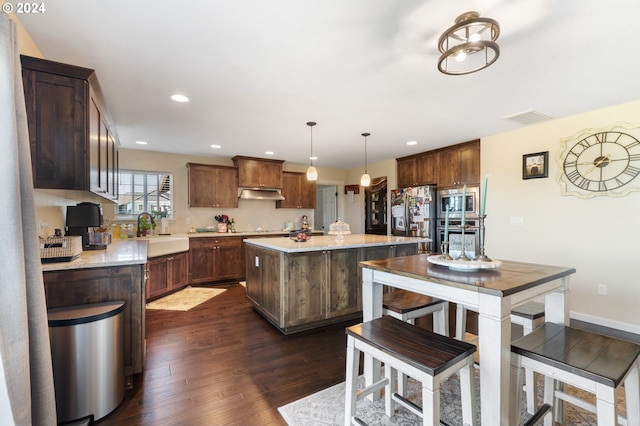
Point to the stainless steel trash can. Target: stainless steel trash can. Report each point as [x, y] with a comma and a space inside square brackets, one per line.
[87, 344]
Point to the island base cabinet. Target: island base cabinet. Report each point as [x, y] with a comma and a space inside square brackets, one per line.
[305, 281]
[95, 285]
[297, 291]
[344, 291]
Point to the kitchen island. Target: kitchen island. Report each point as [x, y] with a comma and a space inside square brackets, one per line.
[302, 285]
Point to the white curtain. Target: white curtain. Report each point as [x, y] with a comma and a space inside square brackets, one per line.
[25, 354]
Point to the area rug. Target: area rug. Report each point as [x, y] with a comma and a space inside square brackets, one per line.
[326, 407]
[185, 299]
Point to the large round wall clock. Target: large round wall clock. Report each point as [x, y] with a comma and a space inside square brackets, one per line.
[597, 162]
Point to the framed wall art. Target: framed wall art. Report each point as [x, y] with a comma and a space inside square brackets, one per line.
[535, 165]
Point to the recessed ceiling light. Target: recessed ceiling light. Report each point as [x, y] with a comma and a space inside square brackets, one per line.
[269, 152]
[412, 143]
[313, 158]
[216, 146]
[179, 98]
[141, 142]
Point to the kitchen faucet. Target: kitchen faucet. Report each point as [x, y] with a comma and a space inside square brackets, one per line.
[138, 232]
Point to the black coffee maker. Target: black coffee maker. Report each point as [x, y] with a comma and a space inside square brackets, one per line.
[80, 218]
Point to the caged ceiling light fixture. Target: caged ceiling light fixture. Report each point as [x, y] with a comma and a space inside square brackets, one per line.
[365, 180]
[469, 45]
[312, 173]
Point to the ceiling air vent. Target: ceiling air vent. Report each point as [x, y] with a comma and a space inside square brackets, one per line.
[528, 117]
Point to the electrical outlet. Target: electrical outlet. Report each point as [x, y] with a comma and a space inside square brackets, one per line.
[516, 220]
[188, 220]
[602, 289]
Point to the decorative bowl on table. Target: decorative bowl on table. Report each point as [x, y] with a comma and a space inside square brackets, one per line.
[300, 235]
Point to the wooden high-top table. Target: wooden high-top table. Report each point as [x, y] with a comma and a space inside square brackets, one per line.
[492, 293]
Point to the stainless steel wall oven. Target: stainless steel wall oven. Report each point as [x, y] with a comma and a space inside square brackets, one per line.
[453, 199]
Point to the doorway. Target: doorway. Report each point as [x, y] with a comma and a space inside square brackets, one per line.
[326, 210]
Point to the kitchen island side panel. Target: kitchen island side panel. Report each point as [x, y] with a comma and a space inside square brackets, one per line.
[304, 286]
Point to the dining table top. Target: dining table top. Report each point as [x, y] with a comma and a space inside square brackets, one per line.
[509, 278]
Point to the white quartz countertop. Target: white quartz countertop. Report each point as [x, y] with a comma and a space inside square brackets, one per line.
[118, 253]
[242, 234]
[329, 242]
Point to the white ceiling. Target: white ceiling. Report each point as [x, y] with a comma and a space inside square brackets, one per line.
[257, 70]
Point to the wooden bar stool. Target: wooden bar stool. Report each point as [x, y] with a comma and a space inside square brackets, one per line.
[407, 306]
[529, 315]
[592, 362]
[428, 357]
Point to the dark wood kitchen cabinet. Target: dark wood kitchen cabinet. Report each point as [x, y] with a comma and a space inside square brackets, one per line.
[459, 165]
[216, 259]
[258, 172]
[73, 139]
[418, 169]
[298, 192]
[448, 167]
[213, 186]
[96, 285]
[166, 274]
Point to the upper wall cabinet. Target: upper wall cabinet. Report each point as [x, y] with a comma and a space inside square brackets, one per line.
[459, 165]
[212, 186]
[74, 143]
[298, 192]
[417, 169]
[448, 167]
[258, 172]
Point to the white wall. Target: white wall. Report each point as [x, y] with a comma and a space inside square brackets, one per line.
[600, 237]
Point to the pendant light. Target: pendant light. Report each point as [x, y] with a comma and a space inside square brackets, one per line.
[365, 180]
[312, 173]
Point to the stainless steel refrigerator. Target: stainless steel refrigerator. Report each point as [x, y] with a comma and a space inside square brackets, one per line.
[413, 213]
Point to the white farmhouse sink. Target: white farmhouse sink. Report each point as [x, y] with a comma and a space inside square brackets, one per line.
[166, 244]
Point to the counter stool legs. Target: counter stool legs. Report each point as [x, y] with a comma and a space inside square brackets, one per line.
[407, 306]
[428, 357]
[595, 363]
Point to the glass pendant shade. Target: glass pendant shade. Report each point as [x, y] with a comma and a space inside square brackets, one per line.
[312, 173]
[365, 180]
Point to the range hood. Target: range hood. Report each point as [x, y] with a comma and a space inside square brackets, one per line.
[259, 194]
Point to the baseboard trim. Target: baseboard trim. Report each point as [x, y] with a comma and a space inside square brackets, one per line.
[617, 325]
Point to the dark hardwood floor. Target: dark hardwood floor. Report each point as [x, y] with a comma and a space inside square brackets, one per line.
[222, 364]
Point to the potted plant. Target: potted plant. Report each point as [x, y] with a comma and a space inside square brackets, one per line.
[145, 225]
